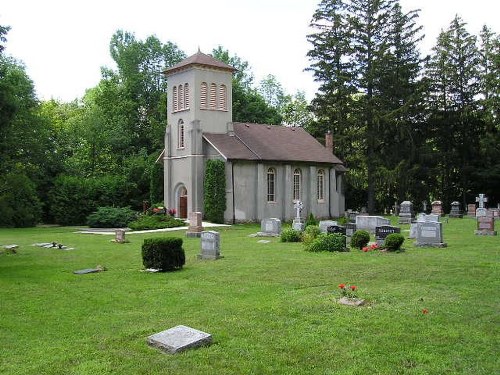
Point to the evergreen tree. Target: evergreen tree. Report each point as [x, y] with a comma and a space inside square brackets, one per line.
[454, 118]
[364, 56]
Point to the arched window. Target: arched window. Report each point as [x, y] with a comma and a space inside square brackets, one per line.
[181, 97]
[223, 98]
[180, 134]
[271, 192]
[320, 188]
[186, 96]
[213, 96]
[203, 95]
[297, 184]
[174, 99]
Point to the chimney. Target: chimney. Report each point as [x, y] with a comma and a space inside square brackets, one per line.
[329, 141]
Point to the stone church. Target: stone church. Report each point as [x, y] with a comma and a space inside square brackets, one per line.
[267, 167]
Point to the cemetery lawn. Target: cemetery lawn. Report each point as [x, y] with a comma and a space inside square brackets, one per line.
[270, 307]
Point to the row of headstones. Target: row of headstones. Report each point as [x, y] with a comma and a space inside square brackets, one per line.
[427, 231]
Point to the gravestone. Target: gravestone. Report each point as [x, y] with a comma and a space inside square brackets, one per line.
[195, 225]
[437, 208]
[424, 206]
[455, 210]
[383, 231]
[350, 228]
[485, 226]
[471, 210]
[210, 245]
[179, 338]
[430, 233]
[324, 224]
[270, 227]
[406, 212]
[495, 212]
[120, 236]
[298, 223]
[336, 229]
[351, 215]
[369, 223]
[481, 210]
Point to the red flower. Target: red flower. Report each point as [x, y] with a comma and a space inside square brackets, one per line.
[365, 249]
[374, 246]
[425, 311]
[353, 287]
[342, 286]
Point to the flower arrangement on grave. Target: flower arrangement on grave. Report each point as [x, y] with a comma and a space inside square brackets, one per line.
[172, 211]
[370, 248]
[349, 296]
[348, 291]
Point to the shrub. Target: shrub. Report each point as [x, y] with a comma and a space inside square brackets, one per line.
[111, 217]
[165, 254]
[328, 242]
[360, 239]
[19, 203]
[394, 241]
[311, 220]
[214, 187]
[147, 222]
[73, 199]
[310, 233]
[290, 235]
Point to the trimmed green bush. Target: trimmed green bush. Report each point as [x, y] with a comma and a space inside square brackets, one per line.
[214, 186]
[394, 241]
[147, 222]
[165, 254]
[328, 242]
[290, 235]
[311, 220]
[111, 217]
[360, 239]
[310, 234]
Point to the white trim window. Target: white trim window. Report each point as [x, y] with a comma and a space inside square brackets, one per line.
[320, 188]
[271, 185]
[180, 134]
[297, 185]
[186, 96]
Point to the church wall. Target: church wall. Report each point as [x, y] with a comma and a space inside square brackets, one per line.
[245, 191]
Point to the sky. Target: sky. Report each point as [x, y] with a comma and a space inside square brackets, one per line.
[64, 43]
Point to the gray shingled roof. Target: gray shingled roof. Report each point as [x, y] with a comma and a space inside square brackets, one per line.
[271, 143]
[199, 59]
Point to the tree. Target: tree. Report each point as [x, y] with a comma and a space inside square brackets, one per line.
[248, 104]
[365, 67]
[454, 118]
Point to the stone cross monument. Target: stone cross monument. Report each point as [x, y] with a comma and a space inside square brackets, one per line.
[297, 222]
[481, 211]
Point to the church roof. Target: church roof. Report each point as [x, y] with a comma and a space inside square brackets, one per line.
[199, 59]
[270, 143]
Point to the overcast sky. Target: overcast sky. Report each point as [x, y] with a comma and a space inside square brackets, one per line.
[64, 43]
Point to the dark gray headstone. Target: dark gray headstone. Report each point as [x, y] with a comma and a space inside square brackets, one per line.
[383, 231]
[336, 229]
[430, 233]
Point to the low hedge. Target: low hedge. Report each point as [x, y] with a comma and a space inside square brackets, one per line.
[111, 217]
[164, 254]
[147, 222]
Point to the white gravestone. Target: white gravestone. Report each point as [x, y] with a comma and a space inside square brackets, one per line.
[297, 222]
[481, 210]
[210, 245]
[271, 227]
[179, 338]
[369, 223]
[324, 224]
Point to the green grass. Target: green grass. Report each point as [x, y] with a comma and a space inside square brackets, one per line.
[271, 308]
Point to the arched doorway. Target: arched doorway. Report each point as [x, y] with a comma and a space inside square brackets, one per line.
[182, 201]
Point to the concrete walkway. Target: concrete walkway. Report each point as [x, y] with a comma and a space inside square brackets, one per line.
[111, 231]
